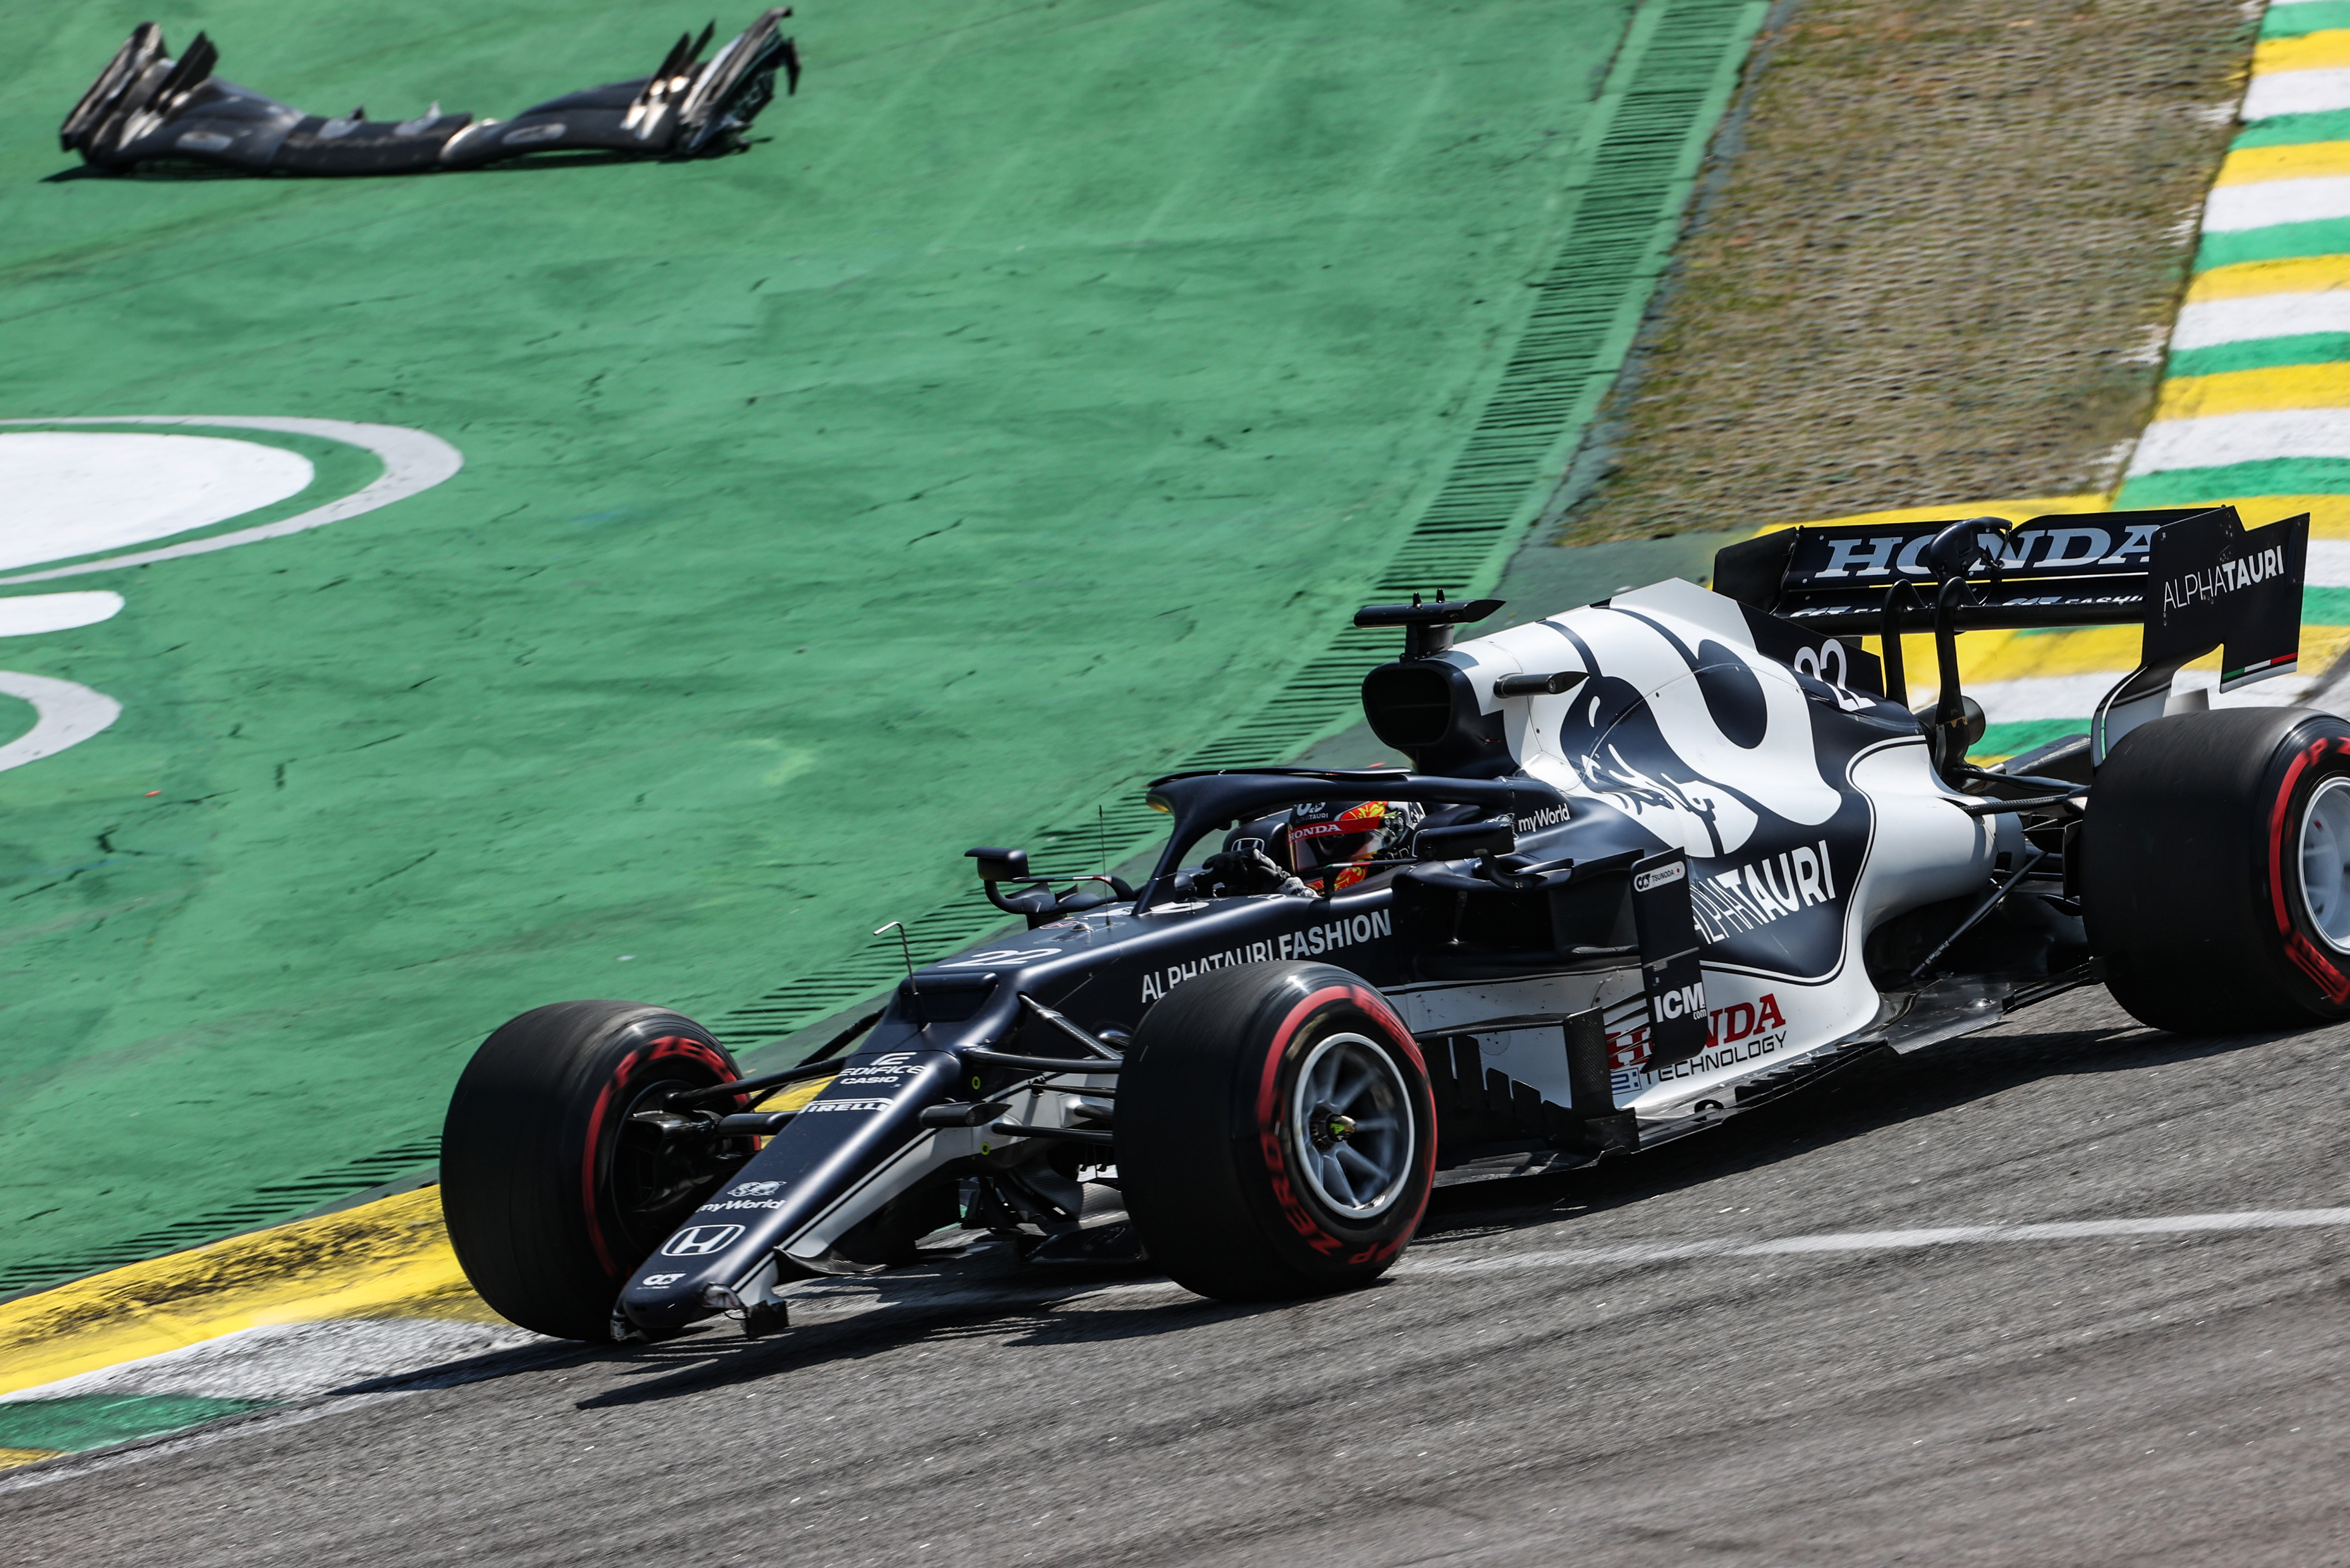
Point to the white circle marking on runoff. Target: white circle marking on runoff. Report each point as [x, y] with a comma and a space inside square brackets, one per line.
[76, 493]
[79, 492]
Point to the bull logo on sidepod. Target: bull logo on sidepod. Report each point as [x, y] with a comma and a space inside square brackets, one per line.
[1719, 751]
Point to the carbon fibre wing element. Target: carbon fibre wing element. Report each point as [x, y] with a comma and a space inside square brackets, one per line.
[2193, 577]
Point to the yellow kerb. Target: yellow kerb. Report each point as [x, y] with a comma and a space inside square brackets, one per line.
[2306, 160]
[2329, 51]
[2291, 274]
[361, 1262]
[2266, 390]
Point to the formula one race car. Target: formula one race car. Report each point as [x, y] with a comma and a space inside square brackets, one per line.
[1658, 861]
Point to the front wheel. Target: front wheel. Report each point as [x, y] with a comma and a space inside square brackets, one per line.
[2215, 873]
[552, 1197]
[1276, 1135]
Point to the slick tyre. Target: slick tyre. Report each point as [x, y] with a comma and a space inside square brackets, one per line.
[2215, 876]
[1276, 1135]
[551, 1201]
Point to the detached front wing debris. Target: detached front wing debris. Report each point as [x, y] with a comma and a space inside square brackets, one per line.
[147, 107]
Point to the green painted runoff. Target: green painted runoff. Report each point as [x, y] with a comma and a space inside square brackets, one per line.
[1043, 385]
[80, 1421]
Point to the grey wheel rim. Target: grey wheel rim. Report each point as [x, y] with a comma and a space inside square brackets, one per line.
[1350, 1125]
[2325, 862]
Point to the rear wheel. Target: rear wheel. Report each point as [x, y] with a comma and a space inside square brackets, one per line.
[552, 1198]
[2215, 871]
[1276, 1135]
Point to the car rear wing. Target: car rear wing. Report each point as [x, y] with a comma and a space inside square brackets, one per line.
[2193, 577]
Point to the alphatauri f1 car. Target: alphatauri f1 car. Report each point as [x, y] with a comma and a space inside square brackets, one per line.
[1658, 860]
[147, 107]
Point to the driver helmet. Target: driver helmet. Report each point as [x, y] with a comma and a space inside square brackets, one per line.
[1329, 842]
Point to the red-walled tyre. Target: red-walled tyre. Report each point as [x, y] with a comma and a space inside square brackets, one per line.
[1276, 1135]
[552, 1199]
[2215, 876]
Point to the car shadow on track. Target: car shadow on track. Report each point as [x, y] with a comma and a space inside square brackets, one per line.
[918, 1311]
[189, 174]
[1869, 1096]
[983, 1293]
[497, 1363]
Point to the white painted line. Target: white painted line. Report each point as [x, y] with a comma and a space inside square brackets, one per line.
[2208, 323]
[27, 614]
[1880, 1241]
[2295, 93]
[2265, 203]
[65, 715]
[412, 460]
[2218, 439]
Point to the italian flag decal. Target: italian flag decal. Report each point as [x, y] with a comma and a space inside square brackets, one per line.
[2231, 679]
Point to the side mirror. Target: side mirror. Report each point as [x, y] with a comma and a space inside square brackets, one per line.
[1000, 865]
[1498, 836]
[1037, 900]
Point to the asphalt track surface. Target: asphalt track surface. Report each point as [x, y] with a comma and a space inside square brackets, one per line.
[1502, 1397]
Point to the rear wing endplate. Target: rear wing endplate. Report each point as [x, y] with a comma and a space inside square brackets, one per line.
[2193, 576]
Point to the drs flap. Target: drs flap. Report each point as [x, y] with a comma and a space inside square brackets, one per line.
[2084, 569]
